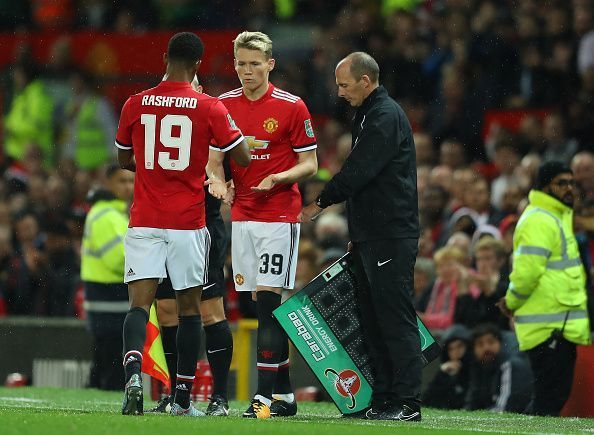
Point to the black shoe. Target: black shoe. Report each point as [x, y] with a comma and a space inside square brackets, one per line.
[163, 406]
[376, 410]
[400, 413]
[218, 406]
[257, 409]
[282, 408]
[132, 404]
[359, 414]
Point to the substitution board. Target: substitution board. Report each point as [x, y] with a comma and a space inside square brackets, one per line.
[323, 323]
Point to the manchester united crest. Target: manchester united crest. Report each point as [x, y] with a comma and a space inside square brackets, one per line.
[239, 279]
[270, 125]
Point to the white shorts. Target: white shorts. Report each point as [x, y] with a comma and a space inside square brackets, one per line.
[264, 253]
[156, 252]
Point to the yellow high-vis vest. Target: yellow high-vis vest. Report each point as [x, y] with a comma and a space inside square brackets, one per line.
[102, 257]
[547, 288]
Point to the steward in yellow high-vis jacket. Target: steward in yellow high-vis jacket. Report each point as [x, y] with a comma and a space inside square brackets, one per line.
[547, 291]
[102, 270]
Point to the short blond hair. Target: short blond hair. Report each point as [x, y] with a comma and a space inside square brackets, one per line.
[491, 244]
[253, 41]
[448, 253]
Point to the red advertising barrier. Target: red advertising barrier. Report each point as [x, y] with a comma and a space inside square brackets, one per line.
[509, 119]
[123, 54]
[127, 63]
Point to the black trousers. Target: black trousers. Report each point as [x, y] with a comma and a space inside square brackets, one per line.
[384, 271]
[106, 368]
[553, 376]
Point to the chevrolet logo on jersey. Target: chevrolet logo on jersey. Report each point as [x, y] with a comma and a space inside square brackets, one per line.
[256, 144]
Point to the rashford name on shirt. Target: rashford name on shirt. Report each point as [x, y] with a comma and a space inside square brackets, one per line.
[169, 101]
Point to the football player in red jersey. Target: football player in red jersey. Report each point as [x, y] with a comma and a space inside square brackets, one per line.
[164, 135]
[219, 340]
[265, 209]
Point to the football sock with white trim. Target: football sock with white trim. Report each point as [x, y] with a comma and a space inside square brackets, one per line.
[270, 342]
[219, 351]
[188, 346]
[134, 334]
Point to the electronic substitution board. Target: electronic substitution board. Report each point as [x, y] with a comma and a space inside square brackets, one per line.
[323, 323]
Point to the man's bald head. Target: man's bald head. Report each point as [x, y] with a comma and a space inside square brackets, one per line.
[357, 76]
[360, 64]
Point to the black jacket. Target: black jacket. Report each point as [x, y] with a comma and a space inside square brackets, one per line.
[505, 385]
[379, 178]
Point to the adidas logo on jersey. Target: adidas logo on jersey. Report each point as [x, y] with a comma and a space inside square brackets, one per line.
[130, 272]
[181, 387]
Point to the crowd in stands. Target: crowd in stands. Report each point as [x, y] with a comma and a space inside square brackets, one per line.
[447, 62]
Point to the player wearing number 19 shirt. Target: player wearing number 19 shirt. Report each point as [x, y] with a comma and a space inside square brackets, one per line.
[265, 228]
[164, 134]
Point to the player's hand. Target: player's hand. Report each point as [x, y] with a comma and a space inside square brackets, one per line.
[230, 196]
[216, 188]
[267, 183]
[310, 212]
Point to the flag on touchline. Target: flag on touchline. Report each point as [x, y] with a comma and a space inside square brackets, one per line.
[153, 356]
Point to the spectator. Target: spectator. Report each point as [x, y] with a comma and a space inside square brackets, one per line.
[431, 208]
[451, 283]
[526, 172]
[511, 199]
[582, 166]
[461, 179]
[506, 159]
[441, 176]
[462, 241]
[498, 382]
[448, 389]
[424, 148]
[557, 145]
[452, 154]
[507, 228]
[307, 264]
[478, 199]
[464, 220]
[331, 231]
[492, 279]
[27, 288]
[424, 279]
[62, 272]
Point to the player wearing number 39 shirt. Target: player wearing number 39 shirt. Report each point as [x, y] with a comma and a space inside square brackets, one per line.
[165, 134]
[265, 228]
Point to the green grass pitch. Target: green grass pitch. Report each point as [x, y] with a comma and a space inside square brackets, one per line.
[62, 411]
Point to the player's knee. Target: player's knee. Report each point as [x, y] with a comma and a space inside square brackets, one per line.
[212, 311]
[167, 312]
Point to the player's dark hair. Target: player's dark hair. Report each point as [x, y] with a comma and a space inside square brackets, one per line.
[111, 170]
[185, 47]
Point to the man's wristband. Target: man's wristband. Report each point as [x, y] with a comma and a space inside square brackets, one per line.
[320, 203]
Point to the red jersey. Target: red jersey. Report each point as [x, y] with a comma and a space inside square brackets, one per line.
[169, 128]
[276, 128]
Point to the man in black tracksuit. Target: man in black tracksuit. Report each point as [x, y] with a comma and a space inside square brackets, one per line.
[378, 181]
